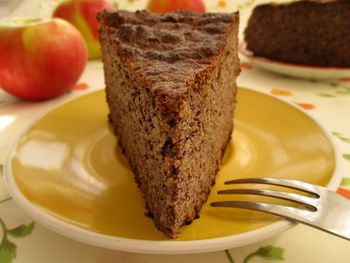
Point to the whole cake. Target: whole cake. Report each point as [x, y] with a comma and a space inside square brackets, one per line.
[170, 86]
[315, 33]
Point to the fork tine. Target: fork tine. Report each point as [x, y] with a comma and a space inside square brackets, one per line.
[292, 213]
[305, 200]
[330, 213]
[293, 184]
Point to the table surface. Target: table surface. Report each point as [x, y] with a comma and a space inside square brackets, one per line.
[327, 101]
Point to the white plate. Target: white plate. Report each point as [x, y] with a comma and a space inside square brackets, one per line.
[294, 70]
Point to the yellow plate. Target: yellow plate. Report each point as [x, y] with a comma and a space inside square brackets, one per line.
[68, 173]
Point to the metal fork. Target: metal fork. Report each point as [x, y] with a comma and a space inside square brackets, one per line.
[322, 209]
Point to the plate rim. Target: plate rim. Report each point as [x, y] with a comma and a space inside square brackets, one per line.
[158, 246]
[250, 54]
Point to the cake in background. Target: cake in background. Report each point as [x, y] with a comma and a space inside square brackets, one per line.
[313, 33]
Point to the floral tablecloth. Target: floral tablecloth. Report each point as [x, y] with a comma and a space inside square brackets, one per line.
[25, 241]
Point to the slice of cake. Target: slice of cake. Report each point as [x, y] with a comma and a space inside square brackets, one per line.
[313, 33]
[170, 85]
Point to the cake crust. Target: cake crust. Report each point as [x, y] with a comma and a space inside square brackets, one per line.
[166, 56]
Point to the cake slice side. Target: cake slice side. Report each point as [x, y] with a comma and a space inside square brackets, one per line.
[171, 108]
[201, 137]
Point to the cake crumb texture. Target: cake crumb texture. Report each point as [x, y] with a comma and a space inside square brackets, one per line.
[170, 87]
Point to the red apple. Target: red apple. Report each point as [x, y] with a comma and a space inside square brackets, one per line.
[82, 14]
[40, 59]
[165, 6]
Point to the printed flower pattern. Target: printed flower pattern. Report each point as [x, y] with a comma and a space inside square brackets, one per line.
[306, 106]
[80, 86]
[222, 3]
[281, 92]
[267, 253]
[308, 99]
[344, 188]
[8, 249]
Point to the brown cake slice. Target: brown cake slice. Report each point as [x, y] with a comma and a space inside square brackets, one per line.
[170, 85]
[315, 33]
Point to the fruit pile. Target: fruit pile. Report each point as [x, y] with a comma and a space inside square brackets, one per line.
[41, 59]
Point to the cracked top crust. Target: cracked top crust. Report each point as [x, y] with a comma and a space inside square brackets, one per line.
[165, 48]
